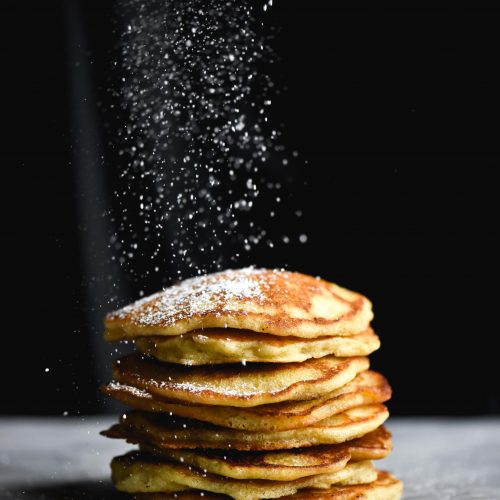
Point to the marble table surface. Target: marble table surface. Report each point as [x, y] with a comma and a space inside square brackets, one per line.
[66, 458]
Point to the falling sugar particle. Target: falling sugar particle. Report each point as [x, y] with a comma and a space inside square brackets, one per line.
[46, 370]
[303, 238]
[192, 84]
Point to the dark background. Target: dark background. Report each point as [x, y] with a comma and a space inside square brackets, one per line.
[396, 107]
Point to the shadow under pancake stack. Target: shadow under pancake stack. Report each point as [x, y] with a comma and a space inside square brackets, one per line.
[250, 384]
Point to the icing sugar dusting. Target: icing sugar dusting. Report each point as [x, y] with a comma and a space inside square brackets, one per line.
[134, 391]
[217, 292]
[201, 164]
[197, 388]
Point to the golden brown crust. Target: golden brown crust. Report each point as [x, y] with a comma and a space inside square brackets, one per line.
[262, 300]
[137, 472]
[229, 385]
[367, 388]
[385, 487]
[281, 465]
[372, 446]
[227, 345]
[276, 466]
[177, 433]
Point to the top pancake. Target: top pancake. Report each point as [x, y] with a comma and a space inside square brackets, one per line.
[262, 300]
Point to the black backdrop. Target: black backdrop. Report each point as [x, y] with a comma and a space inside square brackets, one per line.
[395, 105]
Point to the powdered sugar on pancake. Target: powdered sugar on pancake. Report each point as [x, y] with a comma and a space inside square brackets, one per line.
[134, 391]
[196, 296]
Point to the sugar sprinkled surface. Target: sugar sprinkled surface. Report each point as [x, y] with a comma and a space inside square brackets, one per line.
[134, 391]
[213, 292]
[182, 386]
[194, 388]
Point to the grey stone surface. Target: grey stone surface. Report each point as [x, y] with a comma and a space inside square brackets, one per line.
[444, 459]
[66, 458]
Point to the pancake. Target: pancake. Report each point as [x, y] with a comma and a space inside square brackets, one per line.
[262, 300]
[367, 388]
[227, 345]
[229, 385]
[275, 466]
[169, 432]
[385, 487]
[281, 465]
[139, 473]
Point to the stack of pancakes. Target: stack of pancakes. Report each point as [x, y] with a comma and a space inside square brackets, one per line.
[250, 384]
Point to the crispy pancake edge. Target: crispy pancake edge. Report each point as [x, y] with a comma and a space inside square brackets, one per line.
[367, 387]
[281, 465]
[225, 345]
[139, 427]
[191, 384]
[385, 487]
[138, 473]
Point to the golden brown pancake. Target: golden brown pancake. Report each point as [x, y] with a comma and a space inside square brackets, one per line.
[385, 487]
[372, 446]
[280, 465]
[250, 384]
[227, 345]
[275, 466]
[262, 300]
[139, 473]
[229, 385]
[367, 388]
[173, 432]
